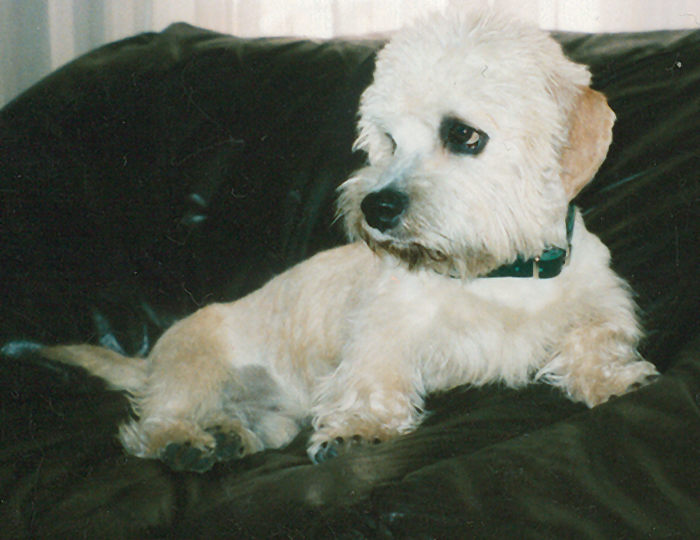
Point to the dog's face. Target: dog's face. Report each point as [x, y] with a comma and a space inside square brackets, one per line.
[478, 132]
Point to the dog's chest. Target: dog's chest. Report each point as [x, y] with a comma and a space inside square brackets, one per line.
[440, 300]
[476, 332]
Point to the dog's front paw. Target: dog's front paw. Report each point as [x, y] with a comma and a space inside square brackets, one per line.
[185, 456]
[381, 418]
[594, 382]
[322, 448]
[626, 379]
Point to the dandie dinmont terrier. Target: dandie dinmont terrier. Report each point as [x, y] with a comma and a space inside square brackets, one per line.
[468, 266]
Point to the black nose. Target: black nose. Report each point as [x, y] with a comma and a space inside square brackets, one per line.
[382, 209]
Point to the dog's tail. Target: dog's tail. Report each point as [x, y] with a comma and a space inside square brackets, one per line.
[119, 371]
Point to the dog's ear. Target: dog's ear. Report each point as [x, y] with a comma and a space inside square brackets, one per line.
[590, 134]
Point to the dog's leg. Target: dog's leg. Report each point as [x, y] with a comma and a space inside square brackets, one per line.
[208, 397]
[361, 404]
[596, 363]
[376, 391]
[597, 358]
[233, 379]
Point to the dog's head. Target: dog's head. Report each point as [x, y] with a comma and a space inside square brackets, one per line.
[478, 131]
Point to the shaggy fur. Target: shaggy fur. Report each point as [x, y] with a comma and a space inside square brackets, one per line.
[479, 132]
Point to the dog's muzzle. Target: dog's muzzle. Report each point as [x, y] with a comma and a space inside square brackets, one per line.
[383, 208]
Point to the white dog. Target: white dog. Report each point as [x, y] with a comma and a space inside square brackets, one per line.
[471, 267]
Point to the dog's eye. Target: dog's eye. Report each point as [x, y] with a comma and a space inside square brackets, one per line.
[459, 138]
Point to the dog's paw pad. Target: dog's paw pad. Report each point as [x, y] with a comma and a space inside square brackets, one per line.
[229, 445]
[185, 457]
[338, 446]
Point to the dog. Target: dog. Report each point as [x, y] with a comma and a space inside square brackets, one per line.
[467, 264]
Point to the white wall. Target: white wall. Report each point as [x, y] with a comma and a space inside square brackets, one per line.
[37, 36]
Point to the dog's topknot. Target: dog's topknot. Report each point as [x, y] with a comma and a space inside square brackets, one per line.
[488, 33]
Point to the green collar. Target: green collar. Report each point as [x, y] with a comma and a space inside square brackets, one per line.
[547, 265]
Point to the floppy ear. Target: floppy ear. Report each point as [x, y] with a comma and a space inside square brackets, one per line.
[590, 134]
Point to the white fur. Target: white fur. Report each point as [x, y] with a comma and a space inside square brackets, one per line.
[355, 337]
